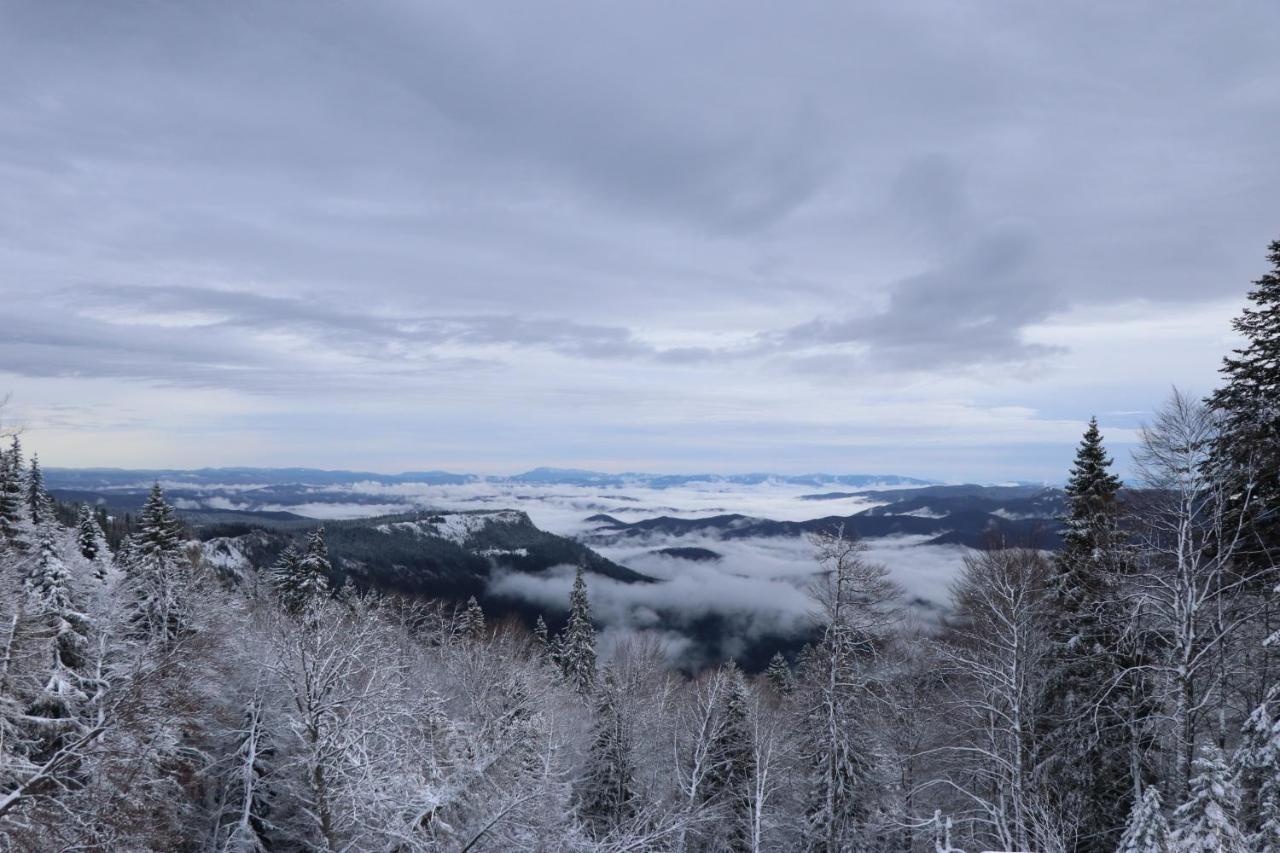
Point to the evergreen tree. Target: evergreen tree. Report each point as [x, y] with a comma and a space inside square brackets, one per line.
[11, 499]
[1206, 823]
[37, 500]
[779, 674]
[301, 577]
[542, 637]
[607, 794]
[1246, 452]
[1147, 831]
[159, 530]
[732, 757]
[54, 713]
[1085, 738]
[472, 622]
[158, 574]
[577, 644]
[87, 533]
[1258, 758]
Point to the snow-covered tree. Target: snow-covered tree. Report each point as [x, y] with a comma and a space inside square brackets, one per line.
[1146, 831]
[854, 606]
[730, 783]
[471, 624]
[779, 674]
[1246, 451]
[246, 818]
[607, 793]
[577, 643]
[1085, 743]
[302, 576]
[11, 496]
[1206, 823]
[995, 657]
[37, 499]
[158, 574]
[88, 534]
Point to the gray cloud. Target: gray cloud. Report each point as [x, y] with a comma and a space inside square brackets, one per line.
[671, 212]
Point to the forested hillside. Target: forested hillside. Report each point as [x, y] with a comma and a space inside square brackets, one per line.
[1121, 693]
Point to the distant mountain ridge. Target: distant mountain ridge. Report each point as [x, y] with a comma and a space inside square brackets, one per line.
[974, 516]
[86, 479]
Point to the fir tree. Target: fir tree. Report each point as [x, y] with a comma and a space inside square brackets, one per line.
[472, 622]
[1147, 831]
[577, 644]
[87, 532]
[1246, 452]
[607, 794]
[779, 674]
[1206, 823]
[1085, 738]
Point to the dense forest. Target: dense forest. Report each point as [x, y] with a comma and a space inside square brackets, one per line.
[1119, 694]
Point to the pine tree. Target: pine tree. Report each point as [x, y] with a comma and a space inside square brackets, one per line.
[577, 644]
[1147, 831]
[607, 794]
[87, 532]
[36, 497]
[779, 675]
[302, 577]
[1206, 823]
[1246, 452]
[472, 622]
[1088, 753]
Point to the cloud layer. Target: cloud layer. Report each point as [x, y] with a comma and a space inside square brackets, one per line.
[743, 235]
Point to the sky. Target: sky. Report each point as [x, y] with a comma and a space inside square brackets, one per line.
[921, 238]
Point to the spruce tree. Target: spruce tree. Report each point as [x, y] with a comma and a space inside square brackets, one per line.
[1206, 823]
[301, 577]
[1087, 751]
[1258, 759]
[577, 644]
[472, 622]
[1246, 452]
[87, 532]
[54, 713]
[542, 638]
[36, 497]
[1147, 830]
[779, 674]
[11, 499]
[608, 792]
[157, 573]
[732, 758]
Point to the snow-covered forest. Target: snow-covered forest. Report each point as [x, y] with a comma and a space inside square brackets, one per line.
[1119, 694]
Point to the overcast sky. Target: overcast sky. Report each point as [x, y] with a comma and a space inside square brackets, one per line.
[920, 238]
